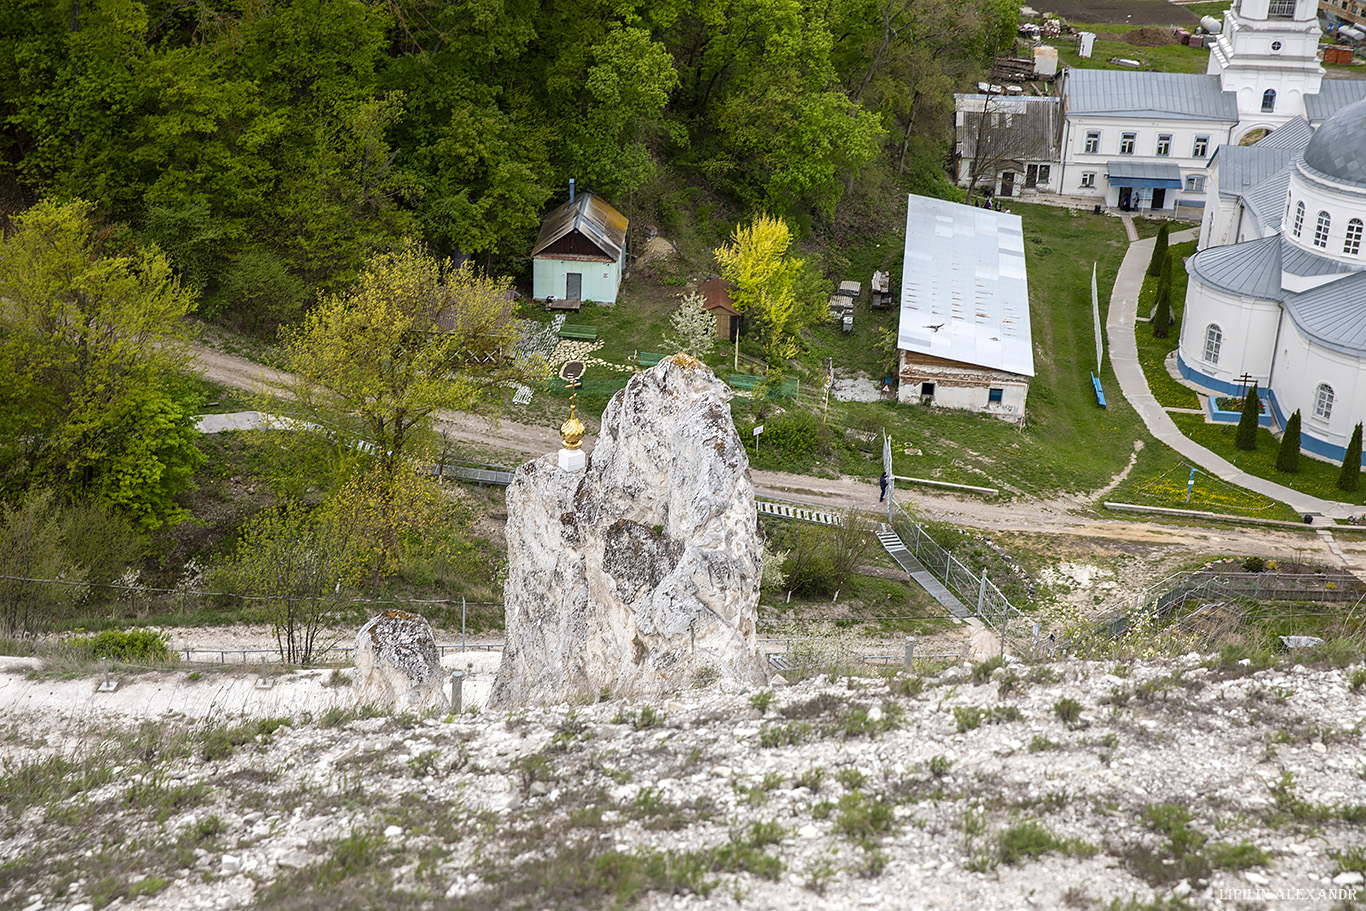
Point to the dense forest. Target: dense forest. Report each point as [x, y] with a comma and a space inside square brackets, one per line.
[268, 146]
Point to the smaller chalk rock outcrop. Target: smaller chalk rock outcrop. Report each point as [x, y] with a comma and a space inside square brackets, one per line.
[397, 663]
[640, 572]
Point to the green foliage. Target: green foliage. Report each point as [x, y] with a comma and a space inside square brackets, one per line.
[1162, 318]
[135, 646]
[86, 331]
[1246, 439]
[1349, 479]
[1068, 711]
[1288, 457]
[1031, 839]
[693, 328]
[1159, 257]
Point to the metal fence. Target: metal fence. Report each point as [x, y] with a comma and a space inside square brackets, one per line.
[1171, 596]
[977, 592]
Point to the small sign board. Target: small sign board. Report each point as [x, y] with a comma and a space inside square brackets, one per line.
[758, 429]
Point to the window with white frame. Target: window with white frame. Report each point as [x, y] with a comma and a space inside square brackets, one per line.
[1044, 172]
[1352, 245]
[1214, 337]
[1201, 148]
[1281, 9]
[1321, 230]
[1323, 401]
[1088, 179]
[1299, 219]
[1126, 143]
[1093, 142]
[1164, 143]
[1268, 101]
[1195, 184]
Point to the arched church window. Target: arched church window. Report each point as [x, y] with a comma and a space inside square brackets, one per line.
[1268, 101]
[1299, 218]
[1321, 230]
[1214, 337]
[1323, 401]
[1352, 246]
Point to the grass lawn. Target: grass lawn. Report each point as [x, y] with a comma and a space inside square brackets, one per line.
[1068, 443]
[1314, 477]
[1173, 58]
[1159, 479]
[1153, 351]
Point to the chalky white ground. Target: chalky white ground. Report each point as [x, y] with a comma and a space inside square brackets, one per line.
[1209, 744]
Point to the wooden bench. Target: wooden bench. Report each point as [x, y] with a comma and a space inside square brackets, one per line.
[583, 333]
[1100, 393]
[649, 358]
[564, 304]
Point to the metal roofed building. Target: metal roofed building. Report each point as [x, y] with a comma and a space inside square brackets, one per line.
[963, 338]
[581, 251]
[1279, 297]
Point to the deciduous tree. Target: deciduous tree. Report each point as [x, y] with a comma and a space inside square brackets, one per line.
[756, 262]
[92, 401]
[693, 328]
[414, 335]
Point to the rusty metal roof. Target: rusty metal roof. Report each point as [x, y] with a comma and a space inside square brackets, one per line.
[589, 216]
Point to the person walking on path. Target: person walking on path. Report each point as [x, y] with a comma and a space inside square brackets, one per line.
[882, 483]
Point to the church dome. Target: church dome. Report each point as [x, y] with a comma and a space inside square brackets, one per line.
[1338, 149]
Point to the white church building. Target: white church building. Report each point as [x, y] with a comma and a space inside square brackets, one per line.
[1142, 141]
[1277, 294]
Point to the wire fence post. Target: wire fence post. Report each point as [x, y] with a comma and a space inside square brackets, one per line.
[457, 687]
[108, 686]
[981, 593]
[462, 623]
[910, 651]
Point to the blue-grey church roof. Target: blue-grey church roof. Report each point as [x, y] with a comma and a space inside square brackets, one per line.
[1338, 148]
[1183, 96]
[1333, 314]
[1334, 95]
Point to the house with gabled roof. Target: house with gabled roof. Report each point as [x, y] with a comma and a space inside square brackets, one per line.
[963, 333]
[580, 253]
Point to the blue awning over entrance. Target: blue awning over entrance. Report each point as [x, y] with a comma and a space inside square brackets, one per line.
[1143, 174]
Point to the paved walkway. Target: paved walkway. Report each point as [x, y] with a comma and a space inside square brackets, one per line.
[1119, 329]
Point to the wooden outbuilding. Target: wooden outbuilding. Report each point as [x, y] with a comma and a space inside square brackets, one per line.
[580, 253]
[721, 305]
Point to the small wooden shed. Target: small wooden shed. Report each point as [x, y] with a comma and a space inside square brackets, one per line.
[720, 305]
[580, 253]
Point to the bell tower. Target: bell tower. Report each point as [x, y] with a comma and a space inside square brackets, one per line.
[1267, 55]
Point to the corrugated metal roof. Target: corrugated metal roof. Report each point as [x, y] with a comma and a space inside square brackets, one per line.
[1266, 200]
[1293, 134]
[964, 291]
[1338, 148]
[1023, 128]
[1241, 168]
[1333, 314]
[1298, 261]
[1183, 96]
[589, 216]
[1250, 269]
[1333, 96]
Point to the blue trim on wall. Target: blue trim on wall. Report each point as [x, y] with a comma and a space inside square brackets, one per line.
[1222, 416]
[1208, 382]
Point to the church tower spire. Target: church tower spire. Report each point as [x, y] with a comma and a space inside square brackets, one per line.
[1267, 55]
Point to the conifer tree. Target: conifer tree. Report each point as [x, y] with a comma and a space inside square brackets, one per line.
[1246, 439]
[1350, 476]
[1288, 459]
[1159, 252]
[1162, 319]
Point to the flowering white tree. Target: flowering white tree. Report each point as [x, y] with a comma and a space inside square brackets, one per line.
[694, 329]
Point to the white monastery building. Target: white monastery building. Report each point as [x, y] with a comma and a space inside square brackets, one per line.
[1143, 141]
[1278, 292]
[963, 334]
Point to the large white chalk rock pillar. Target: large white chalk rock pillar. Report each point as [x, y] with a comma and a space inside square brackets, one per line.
[639, 572]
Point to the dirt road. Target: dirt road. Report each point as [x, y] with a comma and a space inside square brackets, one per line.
[1063, 520]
